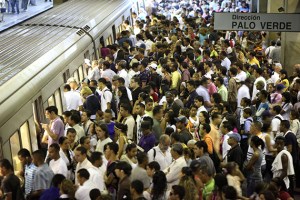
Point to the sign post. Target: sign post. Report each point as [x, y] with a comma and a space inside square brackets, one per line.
[257, 22]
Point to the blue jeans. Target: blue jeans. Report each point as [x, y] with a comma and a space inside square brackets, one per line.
[24, 4]
[14, 3]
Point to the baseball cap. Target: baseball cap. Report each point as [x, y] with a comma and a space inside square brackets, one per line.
[235, 136]
[153, 66]
[280, 87]
[182, 119]
[87, 61]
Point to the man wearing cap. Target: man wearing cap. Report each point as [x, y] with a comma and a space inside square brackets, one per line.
[235, 153]
[173, 171]
[181, 123]
[154, 76]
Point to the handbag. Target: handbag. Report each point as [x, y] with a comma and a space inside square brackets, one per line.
[3, 10]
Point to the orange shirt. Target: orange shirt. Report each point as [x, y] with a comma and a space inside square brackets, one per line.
[209, 141]
[215, 135]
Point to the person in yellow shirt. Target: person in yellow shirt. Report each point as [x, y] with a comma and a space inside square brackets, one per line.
[252, 59]
[283, 79]
[175, 76]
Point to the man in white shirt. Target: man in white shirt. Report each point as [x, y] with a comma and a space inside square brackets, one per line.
[106, 95]
[241, 75]
[72, 98]
[121, 67]
[57, 164]
[161, 153]
[122, 81]
[82, 161]
[125, 112]
[275, 76]
[226, 129]
[96, 174]
[257, 73]
[85, 185]
[174, 170]
[140, 111]
[276, 121]
[243, 91]
[202, 91]
[225, 61]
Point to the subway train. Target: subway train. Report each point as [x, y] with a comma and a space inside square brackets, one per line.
[38, 56]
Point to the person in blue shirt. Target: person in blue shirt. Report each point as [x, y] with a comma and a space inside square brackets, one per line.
[147, 141]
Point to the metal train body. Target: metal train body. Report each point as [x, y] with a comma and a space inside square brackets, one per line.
[25, 95]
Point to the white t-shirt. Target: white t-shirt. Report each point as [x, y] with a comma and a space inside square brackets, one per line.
[106, 96]
[73, 100]
[59, 167]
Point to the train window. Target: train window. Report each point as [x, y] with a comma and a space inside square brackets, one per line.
[120, 28]
[76, 76]
[66, 75]
[15, 147]
[25, 136]
[80, 71]
[38, 110]
[51, 101]
[102, 42]
[114, 32]
[87, 54]
[58, 102]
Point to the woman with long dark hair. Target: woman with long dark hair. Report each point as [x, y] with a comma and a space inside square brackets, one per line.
[159, 186]
[123, 96]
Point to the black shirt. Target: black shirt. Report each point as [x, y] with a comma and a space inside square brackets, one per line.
[290, 139]
[11, 184]
[235, 154]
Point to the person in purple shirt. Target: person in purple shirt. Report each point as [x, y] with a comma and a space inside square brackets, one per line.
[55, 129]
[147, 141]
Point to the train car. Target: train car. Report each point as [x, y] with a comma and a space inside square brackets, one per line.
[38, 56]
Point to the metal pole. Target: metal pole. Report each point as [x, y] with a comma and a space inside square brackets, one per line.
[96, 56]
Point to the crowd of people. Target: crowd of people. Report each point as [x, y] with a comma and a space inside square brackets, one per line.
[173, 110]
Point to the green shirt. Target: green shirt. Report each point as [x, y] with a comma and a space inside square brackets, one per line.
[223, 92]
[208, 188]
